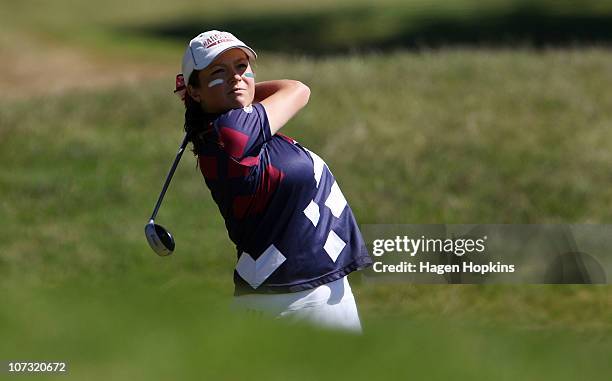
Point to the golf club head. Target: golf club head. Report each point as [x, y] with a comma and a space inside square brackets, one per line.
[160, 240]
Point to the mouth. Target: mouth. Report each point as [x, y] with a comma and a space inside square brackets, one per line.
[236, 91]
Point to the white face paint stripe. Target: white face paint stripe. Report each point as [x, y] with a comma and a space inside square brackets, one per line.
[215, 82]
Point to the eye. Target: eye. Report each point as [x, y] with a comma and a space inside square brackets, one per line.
[218, 71]
[242, 66]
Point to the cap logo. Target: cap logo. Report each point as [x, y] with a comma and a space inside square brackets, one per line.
[218, 39]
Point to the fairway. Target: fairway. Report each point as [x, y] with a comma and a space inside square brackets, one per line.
[457, 134]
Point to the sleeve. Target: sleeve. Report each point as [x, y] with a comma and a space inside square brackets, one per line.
[243, 131]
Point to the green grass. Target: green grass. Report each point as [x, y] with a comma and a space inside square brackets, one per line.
[125, 29]
[130, 330]
[426, 129]
[458, 135]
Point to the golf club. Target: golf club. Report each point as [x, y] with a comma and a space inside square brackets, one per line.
[160, 240]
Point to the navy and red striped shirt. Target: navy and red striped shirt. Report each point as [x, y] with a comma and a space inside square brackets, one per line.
[282, 207]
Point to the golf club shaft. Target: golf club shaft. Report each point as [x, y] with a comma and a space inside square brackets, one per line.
[169, 177]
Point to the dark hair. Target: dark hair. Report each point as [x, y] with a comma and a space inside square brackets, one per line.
[198, 123]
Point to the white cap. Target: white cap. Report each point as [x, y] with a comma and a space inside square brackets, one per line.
[204, 48]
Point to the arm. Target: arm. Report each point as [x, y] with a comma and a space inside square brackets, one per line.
[282, 99]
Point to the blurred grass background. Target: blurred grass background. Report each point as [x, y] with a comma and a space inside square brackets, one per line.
[427, 112]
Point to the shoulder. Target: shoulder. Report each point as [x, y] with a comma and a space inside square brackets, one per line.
[242, 130]
[240, 116]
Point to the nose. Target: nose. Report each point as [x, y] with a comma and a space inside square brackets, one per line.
[235, 76]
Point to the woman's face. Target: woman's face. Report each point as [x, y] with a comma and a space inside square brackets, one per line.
[227, 83]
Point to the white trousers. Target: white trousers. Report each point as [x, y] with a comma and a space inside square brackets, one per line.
[331, 305]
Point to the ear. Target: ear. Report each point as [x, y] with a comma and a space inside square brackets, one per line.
[194, 93]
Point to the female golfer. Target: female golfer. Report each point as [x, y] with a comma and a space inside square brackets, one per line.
[295, 235]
